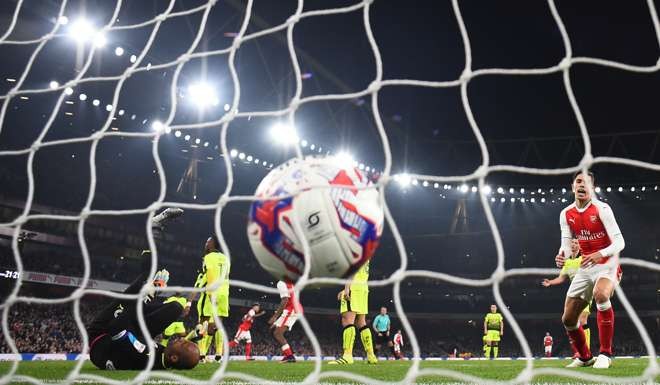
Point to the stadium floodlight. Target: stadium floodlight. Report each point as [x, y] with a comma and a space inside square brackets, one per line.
[96, 102]
[249, 158]
[256, 160]
[403, 179]
[464, 188]
[100, 40]
[620, 189]
[81, 30]
[500, 190]
[233, 153]
[68, 91]
[487, 190]
[241, 156]
[264, 163]
[312, 146]
[522, 200]
[120, 112]
[522, 190]
[344, 158]
[492, 199]
[133, 59]
[632, 189]
[82, 97]
[63, 20]
[643, 188]
[609, 189]
[284, 134]
[415, 182]
[202, 95]
[542, 200]
[597, 189]
[206, 144]
[303, 143]
[367, 169]
[436, 185]
[158, 126]
[563, 191]
[511, 190]
[198, 141]
[513, 200]
[473, 189]
[425, 183]
[361, 166]
[177, 133]
[187, 137]
[108, 107]
[502, 200]
[119, 51]
[53, 84]
[226, 107]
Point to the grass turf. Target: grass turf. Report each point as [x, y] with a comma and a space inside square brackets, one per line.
[55, 371]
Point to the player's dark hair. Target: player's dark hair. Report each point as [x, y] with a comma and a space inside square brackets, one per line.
[256, 304]
[591, 175]
[216, 242]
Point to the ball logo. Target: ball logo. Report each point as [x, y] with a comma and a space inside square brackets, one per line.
[313, 219]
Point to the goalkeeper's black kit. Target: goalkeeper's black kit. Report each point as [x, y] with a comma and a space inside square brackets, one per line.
[116, 341]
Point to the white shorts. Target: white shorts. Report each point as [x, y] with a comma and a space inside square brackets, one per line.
[287, 319]
[243, 335]
[548, 348]
[397, 348]
[584, 281]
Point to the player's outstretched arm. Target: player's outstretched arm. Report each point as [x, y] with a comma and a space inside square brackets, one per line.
[555, 281]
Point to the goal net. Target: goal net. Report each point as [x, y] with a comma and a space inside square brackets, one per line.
[92, 53]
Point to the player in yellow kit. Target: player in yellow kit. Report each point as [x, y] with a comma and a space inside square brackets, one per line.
[493, 330]
[176, 328]
[568, 271]
[215, 267]
[354, 306]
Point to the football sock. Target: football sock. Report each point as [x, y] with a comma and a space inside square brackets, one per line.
[365, 336]
[286, 349]
[496, 350]
[218, 338]
[348, 340]
[487, 351]
[203, 345]
[587, 335]
[577, 338]
[605, 319]
[248, 350]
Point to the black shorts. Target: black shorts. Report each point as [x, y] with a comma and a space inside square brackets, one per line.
[381, 338]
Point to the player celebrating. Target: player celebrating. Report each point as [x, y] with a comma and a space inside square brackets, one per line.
[354, 304]
[593, 224]
[284, 318]
[243, 333]
[493, 330]
[398, 344]
[381, 326]
[570, 268]
[547, 344]
[215, 267]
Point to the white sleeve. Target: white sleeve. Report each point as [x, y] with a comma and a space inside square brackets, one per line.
[251, 313]
[284, 291]
[566, 235]
[612, 229]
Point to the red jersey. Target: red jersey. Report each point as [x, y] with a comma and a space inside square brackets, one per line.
[547, 341]
[286, 291]
[398, 339]
[248, 319]
[594, 226]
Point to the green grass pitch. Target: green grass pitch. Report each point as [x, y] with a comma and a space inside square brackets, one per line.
[390, 371]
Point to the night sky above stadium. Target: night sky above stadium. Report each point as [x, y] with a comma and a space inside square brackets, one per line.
[526, 121]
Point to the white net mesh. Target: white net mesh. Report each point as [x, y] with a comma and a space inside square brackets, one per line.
[377, 84]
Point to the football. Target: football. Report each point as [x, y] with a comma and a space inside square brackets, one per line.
[339, 216]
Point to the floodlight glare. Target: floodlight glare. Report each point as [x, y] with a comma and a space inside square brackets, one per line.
[100, 40]
[68, 90]
[63, 20]
[81, 30]
[158, 126]
[177, 133]
[82, 97]
[233, 153]
[202, 95]
[403, 179]
[464, 188]
[119, 51]
[284, 133]
[487, 190]
[53, 84]
[96, 102]
[344, 159]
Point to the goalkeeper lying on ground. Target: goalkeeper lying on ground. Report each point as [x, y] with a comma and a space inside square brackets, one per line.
[116, 340]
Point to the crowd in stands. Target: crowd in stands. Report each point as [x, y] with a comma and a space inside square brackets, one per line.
[52, 329]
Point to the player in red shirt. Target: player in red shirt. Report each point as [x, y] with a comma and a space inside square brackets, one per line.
[592, 223]
[398, 344]
[243, 333]
[285, 317]
[547, 344]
